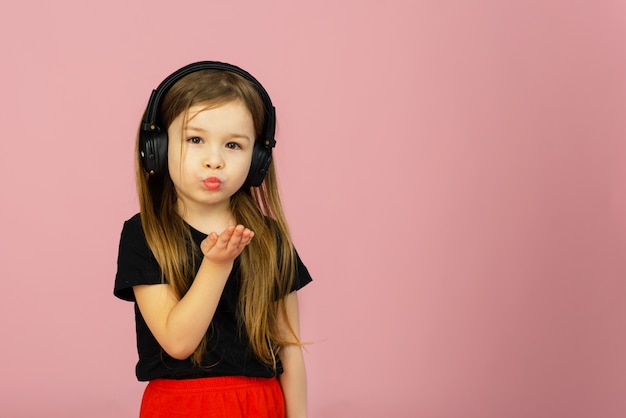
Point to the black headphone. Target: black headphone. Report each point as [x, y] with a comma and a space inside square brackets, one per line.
[153, 137]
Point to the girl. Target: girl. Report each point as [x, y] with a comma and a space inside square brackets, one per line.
[209, 261]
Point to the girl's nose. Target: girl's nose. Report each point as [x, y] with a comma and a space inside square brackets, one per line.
[214, 160]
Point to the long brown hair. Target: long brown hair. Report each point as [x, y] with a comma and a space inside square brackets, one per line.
[267, 264]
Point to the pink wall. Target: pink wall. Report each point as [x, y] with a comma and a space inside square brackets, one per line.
[453, 172]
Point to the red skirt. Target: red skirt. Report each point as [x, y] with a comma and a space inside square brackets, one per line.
[232, 397]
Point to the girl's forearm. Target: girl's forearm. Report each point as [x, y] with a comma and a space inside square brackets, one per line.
[190, 318]
[180, 325]
[293, 381]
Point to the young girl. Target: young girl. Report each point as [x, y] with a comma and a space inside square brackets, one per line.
[209, 261]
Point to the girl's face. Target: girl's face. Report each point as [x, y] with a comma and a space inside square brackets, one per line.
[209, 154]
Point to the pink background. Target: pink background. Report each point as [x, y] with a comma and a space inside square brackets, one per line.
[453, 172]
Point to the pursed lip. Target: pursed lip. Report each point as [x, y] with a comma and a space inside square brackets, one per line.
[212, 183]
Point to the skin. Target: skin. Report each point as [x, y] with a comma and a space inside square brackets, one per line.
[213, 143]
[209, 143]
[293, 379]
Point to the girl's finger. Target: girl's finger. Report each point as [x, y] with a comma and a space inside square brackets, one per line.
[237, 236]
[209, 242]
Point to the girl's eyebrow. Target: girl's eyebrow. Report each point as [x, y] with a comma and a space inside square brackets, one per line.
[194, 128]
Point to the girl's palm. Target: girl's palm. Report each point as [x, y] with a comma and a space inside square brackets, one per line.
[225, 247]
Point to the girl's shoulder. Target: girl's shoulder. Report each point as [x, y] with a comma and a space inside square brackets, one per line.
[134, 221]
[132, 232]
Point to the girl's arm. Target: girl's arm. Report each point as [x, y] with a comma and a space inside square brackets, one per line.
[180, 325]
[293, 378]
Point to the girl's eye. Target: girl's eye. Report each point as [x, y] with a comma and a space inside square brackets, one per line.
[194, 140]
[233, 145]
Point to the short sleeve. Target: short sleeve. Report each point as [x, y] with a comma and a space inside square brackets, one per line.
[136, 264]
[302, 276]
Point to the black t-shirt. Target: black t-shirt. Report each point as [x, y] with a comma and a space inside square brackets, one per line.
[228, 350]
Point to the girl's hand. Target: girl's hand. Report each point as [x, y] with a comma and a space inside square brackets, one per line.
[225, 247]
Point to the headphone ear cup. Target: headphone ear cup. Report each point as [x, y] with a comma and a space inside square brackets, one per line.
[261, 159]
[153, 151]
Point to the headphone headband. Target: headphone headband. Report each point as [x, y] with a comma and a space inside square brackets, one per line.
[150, 117]
[153, 138]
